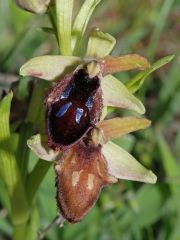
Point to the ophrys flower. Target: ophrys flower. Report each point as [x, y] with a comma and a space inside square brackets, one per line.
[82, 89]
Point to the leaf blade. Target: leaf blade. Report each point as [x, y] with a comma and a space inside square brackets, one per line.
[64, 21]
[81, 21]
[135, 83]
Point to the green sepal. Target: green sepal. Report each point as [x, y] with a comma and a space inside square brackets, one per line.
[122, 165]
[100, 44]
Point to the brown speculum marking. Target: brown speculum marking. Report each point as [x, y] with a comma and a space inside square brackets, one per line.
[75, 107]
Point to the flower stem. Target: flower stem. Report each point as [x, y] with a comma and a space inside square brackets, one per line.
[19, 231]
[35, 178]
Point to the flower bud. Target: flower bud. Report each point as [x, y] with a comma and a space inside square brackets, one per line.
[34, 6]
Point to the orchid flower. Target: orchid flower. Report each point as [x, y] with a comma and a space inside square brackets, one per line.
[78, 137]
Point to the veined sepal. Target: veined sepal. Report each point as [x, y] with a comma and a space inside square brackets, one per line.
[100, 44]
[117, 127]
[115, 94]
[122, 165]
[49, 67]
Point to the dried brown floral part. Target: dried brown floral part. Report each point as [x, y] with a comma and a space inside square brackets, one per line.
[81, 174]
[111, 64]
[73, 108]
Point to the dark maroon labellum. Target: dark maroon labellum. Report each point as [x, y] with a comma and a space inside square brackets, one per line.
[73, 109]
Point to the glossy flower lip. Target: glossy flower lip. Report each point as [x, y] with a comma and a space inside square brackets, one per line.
[73, 108]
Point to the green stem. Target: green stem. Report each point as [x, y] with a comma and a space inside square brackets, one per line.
[19, 231]
[23, 150]
[52, 17]
[35, 178]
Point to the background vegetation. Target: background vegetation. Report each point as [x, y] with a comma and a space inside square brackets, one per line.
[127, 210]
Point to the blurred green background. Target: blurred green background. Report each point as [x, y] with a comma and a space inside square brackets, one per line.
[126, 210]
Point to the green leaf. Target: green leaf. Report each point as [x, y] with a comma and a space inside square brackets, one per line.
[10, 174]
[122, 165]
[100, 44]
[33, 226]
[6, 227]
[49, 67]
[9, 171]
[38, 144]
[4, 119]
[117, 127]
[135, 83]
[64, 10]
[159, 26]
[146, 207]
[81, 21]
[115, 94]
[171, 167]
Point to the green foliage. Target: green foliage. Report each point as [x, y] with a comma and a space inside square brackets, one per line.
[125, 210]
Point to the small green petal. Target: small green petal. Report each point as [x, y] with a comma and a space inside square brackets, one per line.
[122, 165]
[117, 127]
[49, 67]
[38, 144]
[35, 6]
[81, 21]
[100, 44]
[123, 63]
[115, 94]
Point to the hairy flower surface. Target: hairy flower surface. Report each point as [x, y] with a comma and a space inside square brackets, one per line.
[76, 124]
